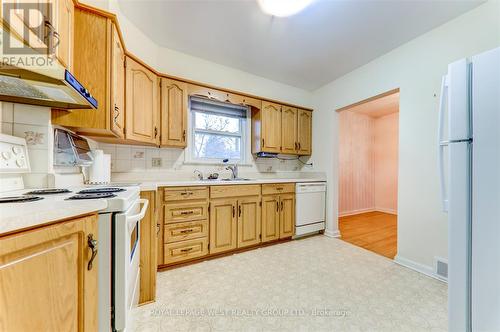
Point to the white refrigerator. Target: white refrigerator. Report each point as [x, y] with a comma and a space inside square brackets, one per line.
[469, 162]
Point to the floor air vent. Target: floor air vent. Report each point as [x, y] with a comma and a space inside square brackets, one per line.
[441, 268]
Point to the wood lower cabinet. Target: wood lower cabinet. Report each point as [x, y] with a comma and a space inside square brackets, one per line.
[223, 225]
[46, 283]
[287, 215]
[270, 218]
[148, 245]
[174, 108]
[249, 221]
[141, 103]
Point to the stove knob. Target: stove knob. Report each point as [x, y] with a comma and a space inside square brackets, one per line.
[17, 150]
[6, 155]
[20, 163]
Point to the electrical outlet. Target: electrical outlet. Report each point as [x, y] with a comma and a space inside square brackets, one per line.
[156, 162]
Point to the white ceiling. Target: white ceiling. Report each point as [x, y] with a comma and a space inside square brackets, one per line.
[321, 43]
[378, 107]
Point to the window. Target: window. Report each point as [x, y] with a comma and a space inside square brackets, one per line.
[218, 131]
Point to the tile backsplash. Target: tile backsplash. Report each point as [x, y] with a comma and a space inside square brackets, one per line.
[129, 158]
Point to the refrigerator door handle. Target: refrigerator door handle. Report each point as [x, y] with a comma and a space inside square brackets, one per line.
[442, 143]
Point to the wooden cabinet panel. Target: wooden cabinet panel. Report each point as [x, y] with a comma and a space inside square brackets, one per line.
[46, 285]
[148, 245]
[185, 231]
[234, 190]
[174, 105]
[271, 127]
[249, 221]
[117, 106]
[270, 218]
[223, 225]
[277, 188]
[64, 27]
[289, 129]
[184, 250]
[287, 215]
[304, 132]
[184, 193]
[180, 212]
[141, 108]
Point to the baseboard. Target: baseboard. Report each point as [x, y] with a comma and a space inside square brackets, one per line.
[384, 210]
[330, 233]
[424, 269]
[353, 212]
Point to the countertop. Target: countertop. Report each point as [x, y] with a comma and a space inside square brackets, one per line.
[153, 185]
[16, 217]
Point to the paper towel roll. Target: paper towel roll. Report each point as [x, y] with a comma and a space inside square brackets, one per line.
[100, 171]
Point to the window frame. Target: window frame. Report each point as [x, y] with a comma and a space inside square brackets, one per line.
[244, 135]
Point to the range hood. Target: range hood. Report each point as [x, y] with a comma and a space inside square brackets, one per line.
[50, 88]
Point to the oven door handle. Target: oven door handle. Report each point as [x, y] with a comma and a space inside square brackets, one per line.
[140, 215]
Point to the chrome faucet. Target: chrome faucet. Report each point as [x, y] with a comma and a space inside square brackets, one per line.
[233, 168]
[199, 174]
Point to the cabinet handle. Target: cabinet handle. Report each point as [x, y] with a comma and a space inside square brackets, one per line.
[277, 206]
[263, 144]
[184, 135]
[234, 211]
[299, 145]
[92, 243]
[156, 131]
[185, 231]
[239, 210]
[157, 229]
[281, 205]
[117, 110]
[187, 249]
[187, 193]
[187, 212]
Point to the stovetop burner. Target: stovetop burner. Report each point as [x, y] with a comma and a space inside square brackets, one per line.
[48, 192]
[101, 190]
[91, 196]
[19, 199]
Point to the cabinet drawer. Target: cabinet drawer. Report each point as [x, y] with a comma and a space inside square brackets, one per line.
[278, 188]
[185, 212]
[186, 231]
[184, 193]
[184, 250]
[235, 190]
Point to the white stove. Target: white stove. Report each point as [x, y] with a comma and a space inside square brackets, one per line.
[118, 227]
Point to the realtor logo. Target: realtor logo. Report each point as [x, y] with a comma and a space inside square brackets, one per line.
[30, 39]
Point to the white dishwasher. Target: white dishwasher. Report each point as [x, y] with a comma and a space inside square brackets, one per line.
[310, 207]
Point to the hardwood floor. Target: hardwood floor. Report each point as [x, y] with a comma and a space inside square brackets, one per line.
[374, 231]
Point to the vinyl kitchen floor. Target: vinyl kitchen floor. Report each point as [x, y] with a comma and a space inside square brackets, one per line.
[314, 284]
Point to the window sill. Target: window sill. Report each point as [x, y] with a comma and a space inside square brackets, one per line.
[214, 163]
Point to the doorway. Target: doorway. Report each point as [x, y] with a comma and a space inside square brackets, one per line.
[368, 173]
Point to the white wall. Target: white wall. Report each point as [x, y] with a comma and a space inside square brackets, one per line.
[416, 68]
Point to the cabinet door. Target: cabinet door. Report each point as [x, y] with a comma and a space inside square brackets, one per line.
[304, 132]
[289, 129]
[65, 21]
[271, 127]
[270, 218]
[117, 84]
[46, 283]
[174, 105]
[249, 224]
[223, 225]
[287, 215]
[141, 103]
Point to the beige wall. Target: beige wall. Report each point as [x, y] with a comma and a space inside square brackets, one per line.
[416, 68]
[385, 155]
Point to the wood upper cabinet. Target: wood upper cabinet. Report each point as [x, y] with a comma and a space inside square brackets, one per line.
[65, 11]
[249, 221]
[222, 96]
[304, 132]
[287, 215]
[117, 85]
[223, 225]
[174, 108]
[289, 129]
[98, 63]
[271, 127]
[141, 91]
[47, 284]
[270, 218]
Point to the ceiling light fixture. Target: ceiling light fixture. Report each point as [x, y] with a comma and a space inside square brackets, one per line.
[283, 8]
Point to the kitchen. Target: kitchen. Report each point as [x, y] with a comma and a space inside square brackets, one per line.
[163, 120]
